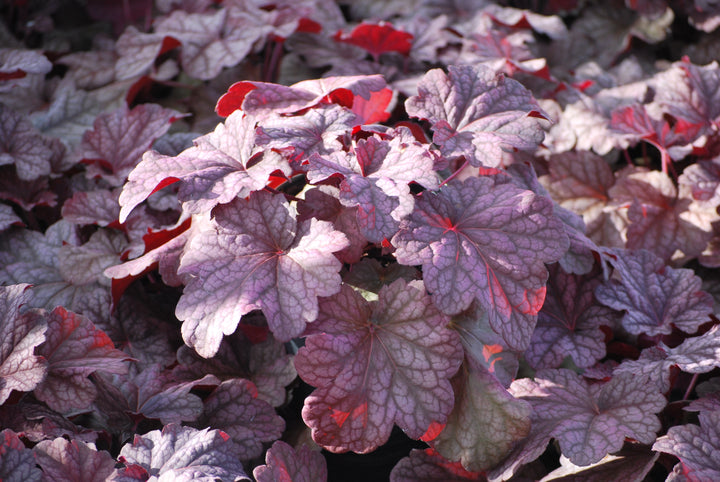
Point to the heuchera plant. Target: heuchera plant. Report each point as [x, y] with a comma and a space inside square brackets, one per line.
[462, 240]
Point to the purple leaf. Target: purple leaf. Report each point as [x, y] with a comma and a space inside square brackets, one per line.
[8, 217]
[376, 175]
[370, 275]
[262, 99]
[23, 146]
[73, 461]
[476, 113]
[695, 446]
[249, 421]
[20, 369]
[591, 420]
[17, 63]
[315, 131]
[17, 463]
[63, 273]
[631, 464]
[654, 296]
[282, 462]
[184, 454]
[323, 203]
[376, 364]
[485, 422]
[699, 354]
[92, 207]
[256, 256]
[213, 39]
[26, 194]
[485, 241]
[137, 51]
[265, 363]
[661, 219]
[220, 167]
[118, 139]
[74, 349]
[569, 322]
[429, 466]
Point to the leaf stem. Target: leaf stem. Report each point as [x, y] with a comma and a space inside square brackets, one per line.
[690, 387]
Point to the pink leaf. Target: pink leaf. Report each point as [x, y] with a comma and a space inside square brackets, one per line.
[376, 364]
[73, 461]
[20, 368]
[74, 349]
[476, 113]
[256, 256]
[283, 463]
[118, 139]
[185, 454]
[485, 241]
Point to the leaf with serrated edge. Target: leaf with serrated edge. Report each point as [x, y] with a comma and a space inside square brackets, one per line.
[282, 462]
[214, 171]
[485, 241]
[17, 463]
[376, 364]
[74, 349]
[569, 322]
[184, 454]
[696, 447]
[73, 461]
[20, 369]
[485, 422]
[477, 113]
[429, 466]
[234, 408]
[256, 257]
[655, 297]
[591, 420]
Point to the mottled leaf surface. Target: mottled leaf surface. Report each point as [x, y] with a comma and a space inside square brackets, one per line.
[282, 462]
[73, 461]
[485, 422]
[569, 322]
[487, 241]
[74, 349]
[591, 420]
[17, 463]
[23, 146]
[376, 174]
[477, 113]
[696, 446]
[655, 297]
[185, 454]
[256, 256]
[631, 464]
[234, 408]
[427, 465]
[375, 364]
[20, 368]
[118, 139]
[214, 171]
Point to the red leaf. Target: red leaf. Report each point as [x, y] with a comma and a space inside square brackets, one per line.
[377, 38]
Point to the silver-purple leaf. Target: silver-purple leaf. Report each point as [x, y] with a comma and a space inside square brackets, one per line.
[118, 139]
[214, 171]
[234, 408]
[256, 256]
[487, 241]
[696, 447]
[17, 463]
[73, 461]
[477, 113]
[74, 349]
[591, 420]
[485, 422]
[20, 368]
[282, 462]
[569, 322]
[376, 174]
[23, 146]
[631, 464]
[376, 364]
[185, 454]
[429, 466]
[654, 296]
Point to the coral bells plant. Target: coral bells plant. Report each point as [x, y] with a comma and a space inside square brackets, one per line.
[403, 240]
